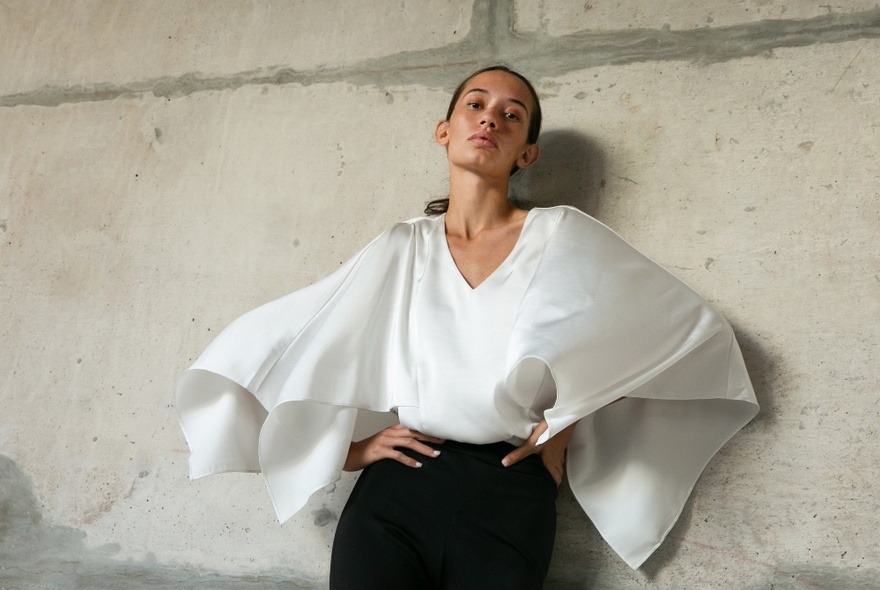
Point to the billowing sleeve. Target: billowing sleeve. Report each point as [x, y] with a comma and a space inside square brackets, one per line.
[284, 388]
[610, 324]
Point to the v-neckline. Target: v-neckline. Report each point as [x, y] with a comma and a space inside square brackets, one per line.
[495, 271]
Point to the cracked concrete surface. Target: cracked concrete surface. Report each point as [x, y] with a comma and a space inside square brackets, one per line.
[493, 37]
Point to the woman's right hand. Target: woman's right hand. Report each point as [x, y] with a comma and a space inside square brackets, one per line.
[385, 444]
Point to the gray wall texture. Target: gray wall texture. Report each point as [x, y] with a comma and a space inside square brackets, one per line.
[166, 165]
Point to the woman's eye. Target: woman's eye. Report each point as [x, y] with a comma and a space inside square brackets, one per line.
[473, 105]
[512, 116]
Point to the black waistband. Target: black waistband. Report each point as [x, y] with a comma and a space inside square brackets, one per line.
[491, 452]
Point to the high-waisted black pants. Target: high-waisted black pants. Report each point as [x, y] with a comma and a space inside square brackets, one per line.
[461, 521]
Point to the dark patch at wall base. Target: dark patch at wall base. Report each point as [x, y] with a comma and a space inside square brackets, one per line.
[36, 555]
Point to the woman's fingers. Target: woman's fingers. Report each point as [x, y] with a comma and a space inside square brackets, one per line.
[529, 447]
[556, 471]
[391, 450]
[386, 444]
[404, 458]
[553, 456]
[517, 455]
[520, 453]
[404, 432]
[553, 453]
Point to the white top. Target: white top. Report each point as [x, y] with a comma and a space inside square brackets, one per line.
[461, 335]
[286, 387]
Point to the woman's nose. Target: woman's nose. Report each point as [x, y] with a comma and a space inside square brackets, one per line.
[488, 121]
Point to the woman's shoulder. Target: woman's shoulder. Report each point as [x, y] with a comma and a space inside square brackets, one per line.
[576, 230]
[421, 225]
[422, 221]
[567, 217]
[403, 232]
[561, 210]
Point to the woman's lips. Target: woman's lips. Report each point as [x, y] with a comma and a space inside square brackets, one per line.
[483, 140]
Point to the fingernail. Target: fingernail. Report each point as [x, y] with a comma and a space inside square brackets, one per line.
[436, 453]
[418, 464]
[505, 462]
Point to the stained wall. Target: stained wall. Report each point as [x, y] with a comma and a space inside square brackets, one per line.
[167, 165]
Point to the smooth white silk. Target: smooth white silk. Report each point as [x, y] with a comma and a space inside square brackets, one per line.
[285, 388]
[462, 335]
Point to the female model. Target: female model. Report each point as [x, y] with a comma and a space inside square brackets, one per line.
[507, 343]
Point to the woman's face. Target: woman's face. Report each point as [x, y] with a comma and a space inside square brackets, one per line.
[488, 130]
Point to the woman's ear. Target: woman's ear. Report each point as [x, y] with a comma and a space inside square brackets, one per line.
[529, 156]
[441, 133]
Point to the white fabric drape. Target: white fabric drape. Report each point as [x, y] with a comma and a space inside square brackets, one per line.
[285, 387]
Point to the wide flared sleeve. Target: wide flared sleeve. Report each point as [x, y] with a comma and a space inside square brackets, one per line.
[610, 324]
[283, 388]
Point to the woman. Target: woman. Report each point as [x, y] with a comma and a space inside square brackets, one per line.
[491, 130]
[503, 340]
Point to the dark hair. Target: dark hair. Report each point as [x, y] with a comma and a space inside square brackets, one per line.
[438, 206]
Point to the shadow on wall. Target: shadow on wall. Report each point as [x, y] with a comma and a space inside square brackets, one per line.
[35, 554]
[768, 374]
[570, 171]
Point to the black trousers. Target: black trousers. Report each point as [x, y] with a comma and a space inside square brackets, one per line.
[461, 521]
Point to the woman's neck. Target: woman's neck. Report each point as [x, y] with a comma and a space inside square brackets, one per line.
[477, 203]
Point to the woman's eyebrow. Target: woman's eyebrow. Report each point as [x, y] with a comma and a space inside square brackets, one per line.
[513, 100]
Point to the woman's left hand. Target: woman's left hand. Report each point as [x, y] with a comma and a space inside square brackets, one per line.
[552, 452]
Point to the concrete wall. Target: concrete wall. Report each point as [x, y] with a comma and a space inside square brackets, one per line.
[166, 165]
